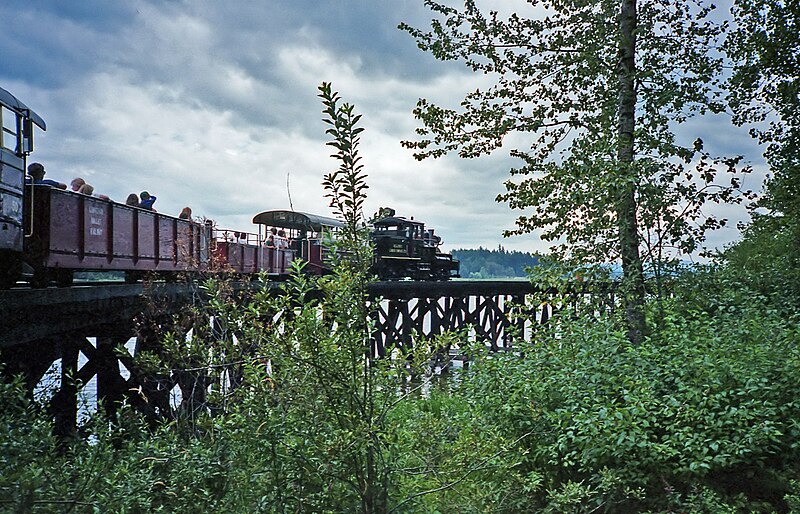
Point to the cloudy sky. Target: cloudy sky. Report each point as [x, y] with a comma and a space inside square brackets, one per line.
[213, 104]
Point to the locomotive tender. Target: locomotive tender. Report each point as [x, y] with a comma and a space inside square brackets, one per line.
[56, 232]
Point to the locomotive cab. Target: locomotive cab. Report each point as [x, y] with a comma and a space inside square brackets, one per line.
[396, 237]
[16, 143]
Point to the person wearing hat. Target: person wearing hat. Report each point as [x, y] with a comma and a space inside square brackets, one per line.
[36, 172]
[147, 200]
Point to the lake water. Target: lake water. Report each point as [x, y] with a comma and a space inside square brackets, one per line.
[87, 395]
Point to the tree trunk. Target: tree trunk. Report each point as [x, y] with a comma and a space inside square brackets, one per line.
[633, 291]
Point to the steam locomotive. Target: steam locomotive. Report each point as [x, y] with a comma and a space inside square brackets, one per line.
[52, 232]
[405, 249]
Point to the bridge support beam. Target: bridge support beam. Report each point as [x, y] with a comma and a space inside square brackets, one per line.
[486, 311]
[403, 314]
[29, 363]
[110, 384]
[64, 404]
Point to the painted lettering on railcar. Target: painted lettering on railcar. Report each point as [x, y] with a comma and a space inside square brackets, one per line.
[97, 219]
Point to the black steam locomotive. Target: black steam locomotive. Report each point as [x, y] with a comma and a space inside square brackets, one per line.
[405, 249]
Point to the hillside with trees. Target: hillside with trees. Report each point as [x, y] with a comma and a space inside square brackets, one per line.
[498, 263]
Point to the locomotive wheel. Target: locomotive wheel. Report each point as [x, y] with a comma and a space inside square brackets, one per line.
[63, 277]
[40, 278]
[10, 272]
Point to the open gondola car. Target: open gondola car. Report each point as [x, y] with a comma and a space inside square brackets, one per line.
[68, 232]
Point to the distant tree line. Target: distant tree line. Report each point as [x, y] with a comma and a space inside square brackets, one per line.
[498, 263]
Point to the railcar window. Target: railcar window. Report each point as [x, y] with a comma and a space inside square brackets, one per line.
[9, 134]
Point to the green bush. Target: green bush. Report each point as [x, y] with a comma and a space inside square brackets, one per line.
[701, 417]
[121, 467]
[766, 262]
[707, 403]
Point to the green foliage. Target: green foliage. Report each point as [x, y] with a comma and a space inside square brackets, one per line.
[122, 468]
[206, 349]
[451, 460]
[322, 399]
[347, 185]
[701, 417]
[600, 88]
[764, 88]
[766, 262]
[707, 400]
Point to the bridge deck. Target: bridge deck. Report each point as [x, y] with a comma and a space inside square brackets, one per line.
[34, 314]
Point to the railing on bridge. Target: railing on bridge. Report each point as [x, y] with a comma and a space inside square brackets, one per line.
[499, 313]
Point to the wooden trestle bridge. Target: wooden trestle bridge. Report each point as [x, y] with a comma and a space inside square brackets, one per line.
[84, 327]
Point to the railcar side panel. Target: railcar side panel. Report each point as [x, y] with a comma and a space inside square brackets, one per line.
[227, 256]
[96, 233]
[250, 259]
[124, 241]
[73, 231]
[288, 258]
[275, 261]
[166, 243]
[246, 258]
[242, 258]
[185, 246]
[271, 260]
[240, 251]
[315, 264]
[200, 239]
[56, 221]
[233, 255]
[219, 255]
[147, 236]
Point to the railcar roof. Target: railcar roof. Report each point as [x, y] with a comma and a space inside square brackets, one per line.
[11, 101]
[296, 220]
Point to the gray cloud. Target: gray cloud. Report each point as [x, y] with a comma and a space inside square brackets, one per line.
[213, 104]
